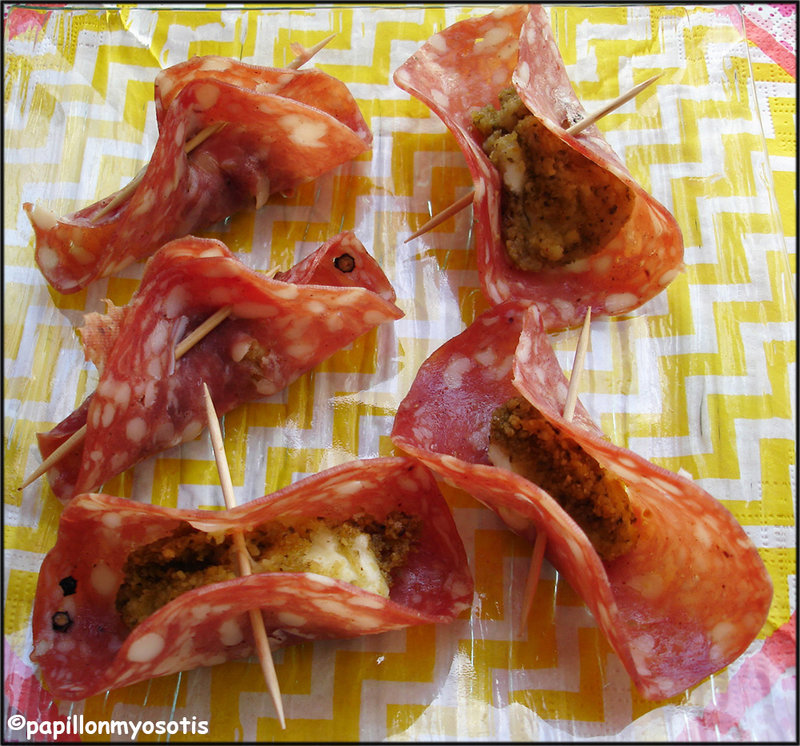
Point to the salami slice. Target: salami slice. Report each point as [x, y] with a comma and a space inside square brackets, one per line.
[146, 401]
[463, 69]
[281, 128]
[692, 593]
[83, 646]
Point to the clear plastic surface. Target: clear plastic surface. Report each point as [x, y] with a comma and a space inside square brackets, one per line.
[701, 378]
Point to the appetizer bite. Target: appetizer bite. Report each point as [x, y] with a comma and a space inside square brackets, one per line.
[133, 591]
[523, 440]
[559, 219]
[274, 331]
[669, 575]
[230, 135]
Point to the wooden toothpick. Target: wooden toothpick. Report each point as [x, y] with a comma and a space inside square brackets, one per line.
[208, 325]
[576, 128]
[130, 187]
[245, 568]
[211, 323]
[456, 207]
[577, 367]
[608, 108]
[304, 55]
[534, 571]
[77, 437]
[540, 544]
[186, 344]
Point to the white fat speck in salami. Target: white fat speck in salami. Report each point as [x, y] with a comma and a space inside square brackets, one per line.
[213, 250]
[346, 299]
[288, 619]
[308, 134]
[192, 430]
[178, 137]
[629, 474]
[201, 611]
[286, 292]
[108, 414]
[104, 580]
[523, 73]
[240, 348]
[80, 254]
[454, 372]
[176, 300]
[334, 322]
[266, 388]
[374, 317]
[144, 204]
[564, 309]
[315, 307]
[300, 351]
[44, 219]
[145, 648]
[112, 520]
[486, 357]
[210, 623]
[65, 647]
[48, 258]
[122, 394]
[439, 97]
[297, 328]
[692, 592]
[619, 302]
[347, 488]
[136, 429]
[230, 632]
[207, 95]
[578, 266]
[370, 602]
[146, 401]
[649, 586]
[723, 637]
[215, 63]
[493, 38]
[669, 276]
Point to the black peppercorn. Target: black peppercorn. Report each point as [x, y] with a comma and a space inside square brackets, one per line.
[68, 585]
[61, 621]
[344, 263]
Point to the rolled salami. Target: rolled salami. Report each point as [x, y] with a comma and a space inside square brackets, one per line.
[132, 591]
[281, 129]
[559, 219]
[687, 593]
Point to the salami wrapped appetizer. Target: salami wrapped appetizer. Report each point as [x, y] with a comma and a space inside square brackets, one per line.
[147, 401]
[133, 591]
[559, 219]
[669, 575]
[270, 130]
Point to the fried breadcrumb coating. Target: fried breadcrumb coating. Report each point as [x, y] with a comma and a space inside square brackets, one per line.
[522, 439]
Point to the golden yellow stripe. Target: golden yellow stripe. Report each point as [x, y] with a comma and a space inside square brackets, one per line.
[39, 538]
[587, 704]
[781, 563]
[19, 603]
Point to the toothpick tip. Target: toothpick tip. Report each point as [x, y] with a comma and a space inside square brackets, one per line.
[535, 570]
[623, 98]
[440, 217]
